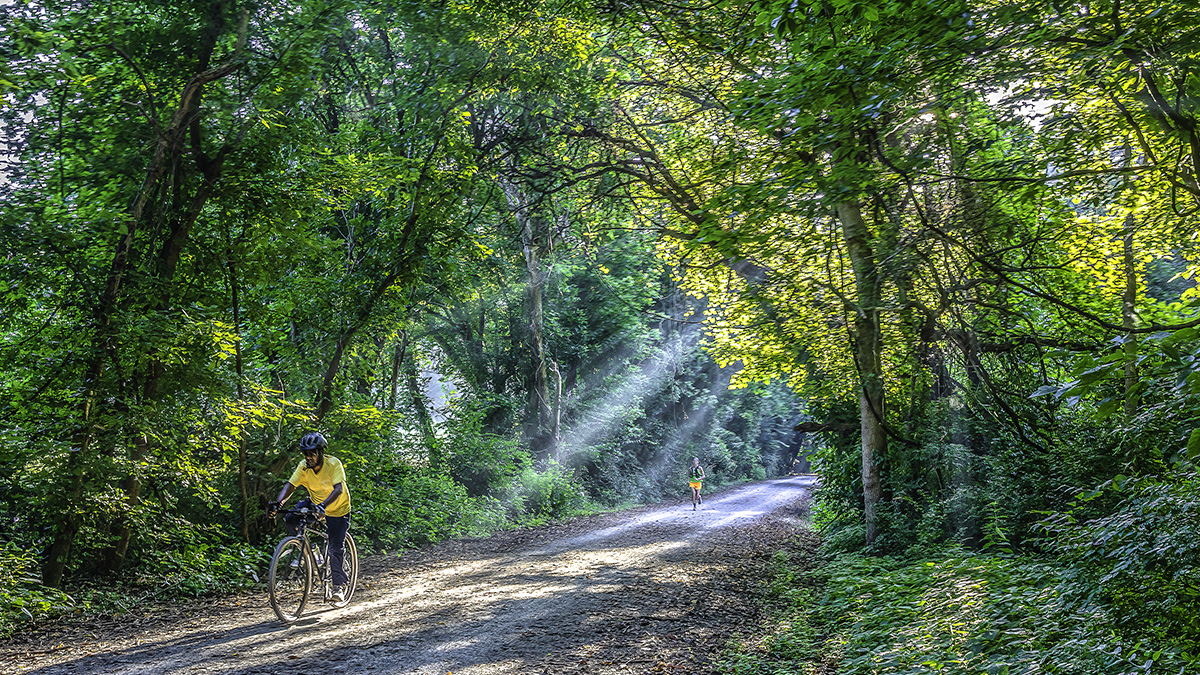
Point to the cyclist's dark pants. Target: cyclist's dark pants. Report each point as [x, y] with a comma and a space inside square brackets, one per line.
[336, 527]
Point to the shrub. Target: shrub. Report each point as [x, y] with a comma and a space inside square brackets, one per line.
[21, 596]
[177, 557]
[535, 497]
[402, 506]
[1140, 561]
[953, 614]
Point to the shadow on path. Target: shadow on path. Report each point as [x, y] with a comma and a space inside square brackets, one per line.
[592, 603]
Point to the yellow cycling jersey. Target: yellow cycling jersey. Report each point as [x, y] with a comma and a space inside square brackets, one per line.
[320, 484]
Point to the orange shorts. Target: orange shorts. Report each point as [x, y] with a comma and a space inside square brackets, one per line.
[695, 484]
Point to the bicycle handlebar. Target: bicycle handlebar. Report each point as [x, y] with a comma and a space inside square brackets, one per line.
[310, 515]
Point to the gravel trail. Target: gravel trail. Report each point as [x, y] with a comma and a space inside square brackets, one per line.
[655, 590]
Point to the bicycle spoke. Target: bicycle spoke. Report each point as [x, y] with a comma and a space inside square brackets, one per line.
[289, 580]
[350, 566]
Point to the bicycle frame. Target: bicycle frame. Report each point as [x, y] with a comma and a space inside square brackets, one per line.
[306, 560]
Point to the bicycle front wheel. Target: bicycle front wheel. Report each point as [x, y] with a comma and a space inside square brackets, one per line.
[290, 579]
[350, 565]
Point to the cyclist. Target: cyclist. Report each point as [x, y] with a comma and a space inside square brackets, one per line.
[325, 479]
[695, 480]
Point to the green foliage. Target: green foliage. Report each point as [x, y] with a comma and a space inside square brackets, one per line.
[948, 614]
[483, 463]
[177, 558]
[587, 223]
[537, 497]
[401, 507]
[1139, 559]
[21, 596]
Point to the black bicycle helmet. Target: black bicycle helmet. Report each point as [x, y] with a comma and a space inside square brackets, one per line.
[313, 440]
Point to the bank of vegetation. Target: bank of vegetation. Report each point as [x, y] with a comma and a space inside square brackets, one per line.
[523, 260]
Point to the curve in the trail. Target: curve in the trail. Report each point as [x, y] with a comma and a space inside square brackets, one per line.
[507, 614]
[728, 508]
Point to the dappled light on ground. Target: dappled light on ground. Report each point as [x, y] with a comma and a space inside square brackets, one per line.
[617, 593]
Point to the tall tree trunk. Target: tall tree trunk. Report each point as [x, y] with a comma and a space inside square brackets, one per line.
[325, 394]
[541, 428]
[868, 344]
[416, 392]
[185, 212]
[102, 346]
[360, 320]
[131, 488]
[235, 302]
[1128, 308]
[70, 519]
[556, 416]
[397, 359]
[540, 391]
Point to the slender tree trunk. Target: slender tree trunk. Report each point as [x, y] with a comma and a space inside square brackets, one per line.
[540, 391]
[556, 416]
[1128, 308]
[397, 359]
[235, 302]
[346, 338]
[416, 392]
[131, 487]
[70, 519]
[325, 395]
[541, 432]
[243, 480]
[868, 343]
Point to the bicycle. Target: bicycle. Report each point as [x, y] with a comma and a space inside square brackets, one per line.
[298, 562]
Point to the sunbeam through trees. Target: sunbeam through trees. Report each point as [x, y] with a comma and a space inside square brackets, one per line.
[942, 252]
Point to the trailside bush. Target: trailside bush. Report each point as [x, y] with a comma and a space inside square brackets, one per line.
[401, 506]
[481, 462]
[21, 596]
[956, 615]
[1141, 560]
[535, 497]
[176, 558]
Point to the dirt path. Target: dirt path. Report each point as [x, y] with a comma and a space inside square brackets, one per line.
[656, 590]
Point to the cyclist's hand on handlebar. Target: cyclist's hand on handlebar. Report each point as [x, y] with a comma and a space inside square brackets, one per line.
[273, 508]
[320, 511]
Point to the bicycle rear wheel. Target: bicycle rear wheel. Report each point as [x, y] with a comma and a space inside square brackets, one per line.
[290, 579]
[350, 565]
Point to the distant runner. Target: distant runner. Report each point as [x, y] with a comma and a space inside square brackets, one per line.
[695, 478]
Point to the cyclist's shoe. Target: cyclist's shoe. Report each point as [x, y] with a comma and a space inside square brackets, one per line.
[339, 594]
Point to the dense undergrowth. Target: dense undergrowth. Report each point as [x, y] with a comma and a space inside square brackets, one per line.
[1111, 593]
[406, 492]
[178, 559]
[194, 532]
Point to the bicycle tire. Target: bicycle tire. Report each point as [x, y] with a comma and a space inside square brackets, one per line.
[350, 565]
[289, 586]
